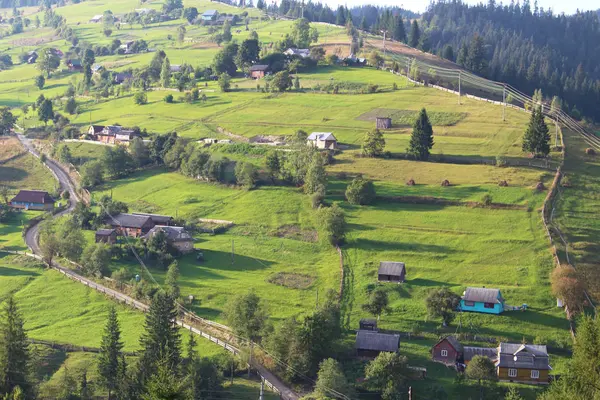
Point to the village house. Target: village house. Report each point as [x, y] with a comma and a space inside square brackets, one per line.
[322, 140]
[94, 130]
[111, 134]
[74, 65]
[447, 351]
[209, 15]
[120, 77]
[175, 68]
[304, 53]
[482, 300]
[158, 219]
[108, 236]
[126, 47]
[131, 225]
[176, 236]
[97, 68]
[525, 363]
[370, 343]
[96, 19]
[391, 271]
[258, 71]
[33, 200]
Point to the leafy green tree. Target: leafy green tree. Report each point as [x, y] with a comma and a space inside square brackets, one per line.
[39, 81]
[316, 177]
[190, 14]
[140, 98]
[95, 260]
[139, 152]
[373, 144]
[248, 53]
[415, 34]
[224, 82]
[71, 106]
[378, 303]
[273, 164]
[92, 174]
[481, 369]
[331, 379]
[181, 31]
[281, 81]
[117, 161]
[156, 65]
[64, 154]
[224, 60]
[14, 350]
[388, 374]
[333, 224]
[47, 61]
[246, 174]
[513, 394]
[7, 121]
[301, 33]
[360, 191]
[537, 138]
[442, 303]
[165, 73]
[110, 355]
[161, 341]
[204, 378]
[375, 59]
[171, 280]
[421, 140]
[175, 155]
[247, 316]
[46, 111]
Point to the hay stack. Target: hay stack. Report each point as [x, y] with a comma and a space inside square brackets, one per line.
[503, 184]
[590, 152]
[445, 183]
[540, 186]
[411, 182]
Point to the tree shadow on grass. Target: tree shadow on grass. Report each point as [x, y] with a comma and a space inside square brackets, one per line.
[380, 245]
[51, 362]
[225, 261]
[12, 174]
[4, 271]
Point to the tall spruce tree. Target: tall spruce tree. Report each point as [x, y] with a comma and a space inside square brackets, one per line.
[161, 338]
[165, 74]
[415, 34]
[537, 137]
[399, 32]
[110, 353]
[476, 60]
[421, 140]
[14, 350]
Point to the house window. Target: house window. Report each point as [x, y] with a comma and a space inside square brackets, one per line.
[488, 305]
[469, 303]
[444, 353]
[535, 374]
[512, 372]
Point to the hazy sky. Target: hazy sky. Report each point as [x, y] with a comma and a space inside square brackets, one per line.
[566, 6]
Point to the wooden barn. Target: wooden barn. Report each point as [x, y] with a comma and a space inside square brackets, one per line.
[391, 271]
[131, 225]
[383, 123]
[366, 324]
[258, 71]
[370, 344]
[108, 236]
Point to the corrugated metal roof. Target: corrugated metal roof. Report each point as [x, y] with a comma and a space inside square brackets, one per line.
[174, 233]
[33, 196]
[105, 232]
[483, 295]
[157, 218]
[393, 268]
[321, 136]
[209, 13]
[129, 221]
[489, 352]
[369, 340]
[529, 356]
[259, 67]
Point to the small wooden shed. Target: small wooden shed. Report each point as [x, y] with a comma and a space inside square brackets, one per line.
[383, 122]
[368, 324]
[447, 351]
[391, 271]
[108, 236]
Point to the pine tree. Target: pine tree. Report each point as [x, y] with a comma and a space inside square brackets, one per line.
[161, 337]
[110, 353]
[415, 34]
[476, 60]
[165, 73]
[171, 280]
[85, 393]
[537, 137]
[399, 32]
[421, 140]
[14, 350]
[463, 55]
[363, 24]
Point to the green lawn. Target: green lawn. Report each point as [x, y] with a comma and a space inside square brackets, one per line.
[20, 170]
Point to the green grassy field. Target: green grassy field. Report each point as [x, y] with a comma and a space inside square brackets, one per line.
[21, 170]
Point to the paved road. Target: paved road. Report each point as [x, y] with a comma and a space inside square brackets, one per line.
[32, 240]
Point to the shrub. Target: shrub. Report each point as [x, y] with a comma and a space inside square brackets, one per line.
[486, 200]
[140, 98]
[360, 191]
[503, 184]
[501, 161]
[169, 98]
[445, 183]
[411, 182]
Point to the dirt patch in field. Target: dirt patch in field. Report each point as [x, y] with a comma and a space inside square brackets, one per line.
[292, 280]
[295, 233]
[205, 46]
[267, 139]
[10, 148]
[407, 117]
[117, 64]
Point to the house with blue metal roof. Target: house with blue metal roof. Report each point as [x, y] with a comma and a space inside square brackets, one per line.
[209, 15]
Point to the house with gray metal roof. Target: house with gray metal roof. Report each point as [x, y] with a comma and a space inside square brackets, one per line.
[525, 363]
[483, 300]
[131, 225]
[176, 236]
[371, 343]
[391, 271]
[322, 140]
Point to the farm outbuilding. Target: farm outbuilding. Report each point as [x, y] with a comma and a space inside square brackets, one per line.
[370, 344]
[366, 324]
[157, 218]
[108, 236]
[131, 225]
[322, 140]
[391, 271]
[447, 351]
[258, 71]
[383, 123]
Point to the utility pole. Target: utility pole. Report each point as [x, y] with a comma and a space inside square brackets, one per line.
[384, 37]
[410, 393]
[262, 390]
[504, 103]
[407, 71]
[250, 361]
[459, 76]
[556, 125]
